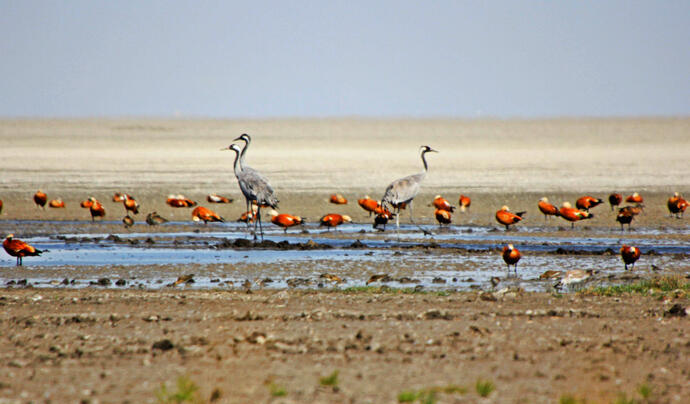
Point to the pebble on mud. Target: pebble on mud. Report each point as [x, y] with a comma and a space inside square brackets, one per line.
[163, 345]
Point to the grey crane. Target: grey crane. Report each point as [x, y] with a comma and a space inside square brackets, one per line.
[254, 187]
[402, 191]
[248, 170]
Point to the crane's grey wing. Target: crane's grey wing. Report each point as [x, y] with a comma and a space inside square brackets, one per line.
[403, 189]
[257, 188]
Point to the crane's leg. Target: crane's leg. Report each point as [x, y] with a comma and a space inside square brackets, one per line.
[426, 232]
[261, 230]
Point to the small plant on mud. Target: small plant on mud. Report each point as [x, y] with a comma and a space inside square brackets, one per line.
[484, 387]
[645, 391]
[276, 390]
[660, 285]
[568, 399]
[428, 395]
[186, 392]
[330, 380]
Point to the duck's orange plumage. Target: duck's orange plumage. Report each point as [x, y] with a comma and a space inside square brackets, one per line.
[464, 202]
[547, 208]
[615, 200]
[626, 215]
[18, 248]
[677, 205]
[86, 204]
[338, 199]
[56, 203]
[179, 201]
[635, 198]
[587, 202]
[207, 215]
[368, 204]
[40, 198]
[506, 218]
[443, 216]
[442, 204]
[334, 220]
[573, 215]
[96, 209]
[130, 204]
[382, 217]
[511, 256]
[629, 254]
[213, 198]
[285, 220]
[0, 205]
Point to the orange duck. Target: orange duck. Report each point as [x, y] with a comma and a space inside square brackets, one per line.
[40, 199]
[86, 203]
[587, 202]
[368, 204]
[511, 256]
[0, 205]
[626, 214]
[382, 217]
[334, 220]
[338, 199]
[284, 220]
[18, 248]
[573, 215]
[443, 216]
[677, 205]
[96, 209]
[213, 198]
[635, 198]
[56, 203]
[119, 197]
[629, 255]
[615, 200]
[506, 218]
[130, 204]
[207, 215]
[441, 203]
[179, 201]
[464, 202]
[547, 208]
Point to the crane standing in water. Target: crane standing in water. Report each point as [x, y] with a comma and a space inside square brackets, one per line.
[254, 187]
[402, 191]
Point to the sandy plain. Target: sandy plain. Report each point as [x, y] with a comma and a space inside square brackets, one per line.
[93, 345]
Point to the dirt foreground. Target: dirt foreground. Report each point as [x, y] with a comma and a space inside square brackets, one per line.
[121, 346]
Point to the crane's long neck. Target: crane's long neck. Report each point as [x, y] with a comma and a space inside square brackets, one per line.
[236, 165]
[426, 167]
[244, 151]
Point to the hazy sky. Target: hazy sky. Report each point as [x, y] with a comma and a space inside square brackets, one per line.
[262, 59]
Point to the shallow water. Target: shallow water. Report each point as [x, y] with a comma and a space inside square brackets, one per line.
[461, 257]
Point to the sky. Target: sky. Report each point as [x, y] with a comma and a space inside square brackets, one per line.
[321, 59]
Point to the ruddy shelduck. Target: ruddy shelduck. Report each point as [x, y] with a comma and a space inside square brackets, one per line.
[677, 205]
[284, 220]
[587, 202]
[573, 215]
[441, 203]
[40, 199]
[334, 220]
[464, 202]
[207, 215]
[179, 201]
[96, 209]
[547, 208]
[18, 248]
[635, 198]
[130, 204]
[338, 199]
[214, 198]
[507, 218]
[511, 256]
[368, 204]
[128, 221]
[615, 200]
[56, 203]
[443, 216]
[629, 254]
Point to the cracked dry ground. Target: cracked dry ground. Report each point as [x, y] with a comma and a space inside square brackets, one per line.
[120, 346]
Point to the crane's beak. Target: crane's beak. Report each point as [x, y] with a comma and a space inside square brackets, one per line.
[237, 138]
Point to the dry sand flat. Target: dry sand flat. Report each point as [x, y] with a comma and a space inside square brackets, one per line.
[328, 155]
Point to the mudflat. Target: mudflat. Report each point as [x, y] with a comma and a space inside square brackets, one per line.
[101, 342]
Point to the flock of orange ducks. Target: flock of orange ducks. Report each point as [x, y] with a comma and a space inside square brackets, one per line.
[443, 214]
